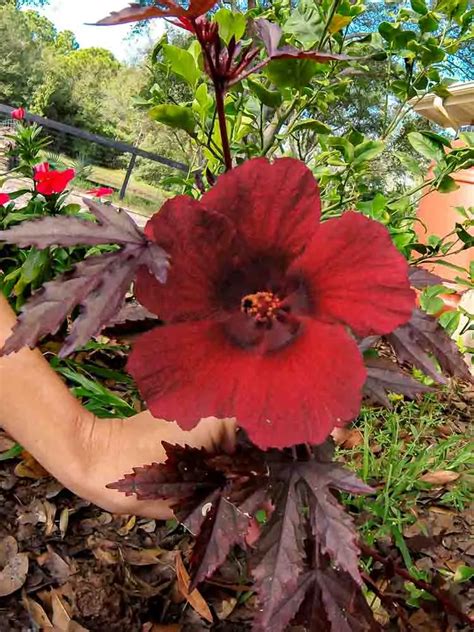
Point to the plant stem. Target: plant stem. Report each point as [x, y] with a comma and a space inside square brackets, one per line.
[222, 125]
[441, 596]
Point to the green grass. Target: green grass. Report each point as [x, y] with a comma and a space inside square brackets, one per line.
[398, 447]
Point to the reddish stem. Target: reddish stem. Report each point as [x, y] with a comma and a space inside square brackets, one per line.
[220, 93]
[447, 604]
[219, 89]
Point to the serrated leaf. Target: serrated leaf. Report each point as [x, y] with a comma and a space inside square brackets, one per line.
[98, 284]
[332, 527]
[280, 555]
[175, 116]
[161, 8]
[384, 376]
[114, 226]
[224, 527]
[183, 476]
[421, 278]
[423, 335]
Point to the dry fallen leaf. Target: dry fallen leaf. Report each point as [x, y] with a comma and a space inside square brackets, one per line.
[61, 616]
[14, 567]
[30, 468]
[440, 477]
[142, 557]
[6, 443]
[157, 627]
[125, 530]
[347, 438]
[195, 599]
[57, 567]
[37, 613]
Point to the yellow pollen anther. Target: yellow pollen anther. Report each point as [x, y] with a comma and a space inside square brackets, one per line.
[261, 306]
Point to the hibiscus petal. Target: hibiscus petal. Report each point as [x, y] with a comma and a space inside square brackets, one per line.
[356, 276]
[198, 243]
[275, 207]
[297, 394]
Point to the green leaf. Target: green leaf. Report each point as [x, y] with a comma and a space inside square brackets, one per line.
[468, 138]
[464, 236]
[312, 124]
[387, 31]
[447, 184]
[425, 146]
[450, 321]
[32, 268]
[419, 6]
[343, 145]
[182, 63]
[410, 163]
[438, 138]
[71, 209]
[12, 453]
[367, 151]
[428, 23]
[176, 116]
[270, 98]
[230, 24]
[463, 573]
[305, 24]
[291, 73]
[203, 102]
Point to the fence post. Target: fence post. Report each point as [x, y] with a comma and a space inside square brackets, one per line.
[131, 164]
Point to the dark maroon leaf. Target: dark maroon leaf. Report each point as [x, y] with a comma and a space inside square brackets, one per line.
[271, 34]
[421, 278]
[224, 527]
[161, 8]
[423, 335]
[332, 527]
[307, 531]
[131, 312]
[98, 284]
[183, 476]
[344, 604]
[279, 556]
[384, 376]
[113, 226]
[288, 606]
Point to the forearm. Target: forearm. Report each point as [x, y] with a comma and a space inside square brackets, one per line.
[36, 408]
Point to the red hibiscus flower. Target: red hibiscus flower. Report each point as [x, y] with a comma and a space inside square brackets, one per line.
[258, 305]
[18, 114]
[51, 182]
[4, 199]
[101, 192]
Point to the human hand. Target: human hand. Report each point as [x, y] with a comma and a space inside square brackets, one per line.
[111, 448]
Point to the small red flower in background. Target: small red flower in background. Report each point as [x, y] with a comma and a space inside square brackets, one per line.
[18, 114]
[258, 304]
[4, 199]
[49, 181]
[101, 192]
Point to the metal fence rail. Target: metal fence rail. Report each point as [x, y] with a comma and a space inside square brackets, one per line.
[116, 145]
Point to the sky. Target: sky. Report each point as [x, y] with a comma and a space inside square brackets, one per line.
[66, 14]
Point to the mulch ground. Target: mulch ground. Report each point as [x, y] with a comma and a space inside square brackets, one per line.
[69, 566]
